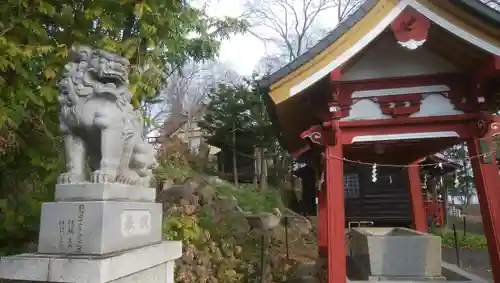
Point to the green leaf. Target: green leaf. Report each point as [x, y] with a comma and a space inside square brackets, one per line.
[46, 8]
[33, 98]
[49, 73]
[34, 45]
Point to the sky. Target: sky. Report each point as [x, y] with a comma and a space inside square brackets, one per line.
[235, 52]
[243, 51]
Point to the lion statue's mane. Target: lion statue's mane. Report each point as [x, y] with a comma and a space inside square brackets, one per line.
[100, 125]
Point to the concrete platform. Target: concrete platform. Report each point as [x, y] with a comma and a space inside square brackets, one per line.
[152, 264]
[451, 273]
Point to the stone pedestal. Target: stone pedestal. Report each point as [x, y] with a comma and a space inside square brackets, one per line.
[115, 192]
[150, 264]
[98, 227]
[98, 233]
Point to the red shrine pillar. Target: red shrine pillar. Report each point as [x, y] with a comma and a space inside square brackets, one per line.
[335, 209]
[322, 224]
[488, 191]
[417, 203]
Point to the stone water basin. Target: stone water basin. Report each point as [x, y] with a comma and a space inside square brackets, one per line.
[396, 253]
[400, 255]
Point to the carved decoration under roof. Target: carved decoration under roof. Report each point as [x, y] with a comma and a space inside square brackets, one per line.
[488, 126]
[314, 135]
[411, 28]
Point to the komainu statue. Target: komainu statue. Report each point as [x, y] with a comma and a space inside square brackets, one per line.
[101, 127]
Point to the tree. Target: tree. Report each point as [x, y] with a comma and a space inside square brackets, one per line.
[237, 119]
[494, 4]
[156, 36]
[269, 64]
[183, 98]
[461, 185]
[227, 114]
[292, 26]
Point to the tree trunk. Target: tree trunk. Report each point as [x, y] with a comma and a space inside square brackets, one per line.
[222, 160]
[276, 173]
[445, 204]
[256, 164]
[263, 171]
[283, 169]
[235, 167]
[188, 133]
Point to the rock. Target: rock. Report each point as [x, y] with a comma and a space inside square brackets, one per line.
[167, 184]
[300, 223]
[206, 194]
[226, 203]
[305, 270]
[218, 181]
[263, 222]
[176, 193]
[192, 184]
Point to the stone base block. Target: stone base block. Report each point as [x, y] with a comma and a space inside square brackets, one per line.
[152, 264]
[98, 227]
[111, 191]
[454, 274]
[396, 252]
[407, 278]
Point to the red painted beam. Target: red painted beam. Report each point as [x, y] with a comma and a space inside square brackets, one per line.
[335, 75]
[335, 214]
[322, 224]
[449, 119]
[487, 70]
[488, 190]
[463, 125]
[417, 203]
[495, 126]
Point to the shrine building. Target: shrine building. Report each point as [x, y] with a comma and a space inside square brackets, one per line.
[395, 82]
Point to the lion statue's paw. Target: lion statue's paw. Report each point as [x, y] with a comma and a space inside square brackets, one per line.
[100, 176]
[128, 177]
[123, 179]
[70, 178]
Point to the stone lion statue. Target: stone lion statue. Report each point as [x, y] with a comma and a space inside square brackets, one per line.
[101, 128]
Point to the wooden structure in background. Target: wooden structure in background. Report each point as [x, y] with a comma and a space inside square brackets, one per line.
[397, 81]
[385, 202]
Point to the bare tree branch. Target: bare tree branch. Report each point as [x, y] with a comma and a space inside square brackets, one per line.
[292, 25]
[183, 97]
[494, 4]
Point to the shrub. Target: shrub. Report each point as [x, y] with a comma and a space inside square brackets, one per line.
[20, 221]
[250, 198]
[469, 240]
